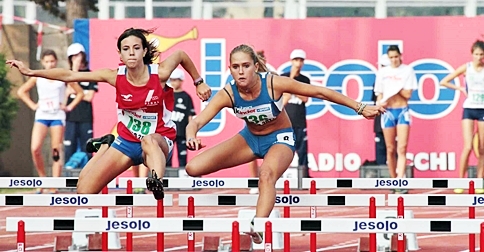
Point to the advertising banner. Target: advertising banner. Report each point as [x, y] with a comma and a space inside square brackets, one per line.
[342, 54]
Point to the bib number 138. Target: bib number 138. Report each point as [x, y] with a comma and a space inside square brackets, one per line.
[140, 129]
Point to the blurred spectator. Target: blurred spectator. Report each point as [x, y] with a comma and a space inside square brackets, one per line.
[182, 114]
[79, 121]
[50, 114]
[295, 106]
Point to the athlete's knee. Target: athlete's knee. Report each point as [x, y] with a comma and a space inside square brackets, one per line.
[402, 149]
[56, 154]
[36, 150]
[193, 170]
[391, 151]
[266, 177]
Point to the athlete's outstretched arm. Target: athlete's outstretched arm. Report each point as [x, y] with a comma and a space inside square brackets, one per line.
[288, 85]
[102, 75]
[219, 101]
[179, 57]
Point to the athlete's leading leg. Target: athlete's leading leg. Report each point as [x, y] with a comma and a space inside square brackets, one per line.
[155, 152]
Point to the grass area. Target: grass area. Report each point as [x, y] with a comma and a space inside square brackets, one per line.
[15, 190]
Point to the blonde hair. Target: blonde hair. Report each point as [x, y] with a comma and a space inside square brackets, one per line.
[255, 57]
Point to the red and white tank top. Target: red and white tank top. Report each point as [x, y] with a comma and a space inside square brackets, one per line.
[145, 109]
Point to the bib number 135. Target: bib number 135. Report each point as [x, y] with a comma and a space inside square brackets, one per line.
[139, 128]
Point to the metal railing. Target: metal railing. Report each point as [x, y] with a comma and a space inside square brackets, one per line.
[204, 9]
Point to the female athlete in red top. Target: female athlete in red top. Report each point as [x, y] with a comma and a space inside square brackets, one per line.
[144, 110]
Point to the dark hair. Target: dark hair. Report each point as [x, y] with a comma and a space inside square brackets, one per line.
[250, 51]
[141, 34]
[48, 52]
[84, 60]
[394, 48]
[477, 44]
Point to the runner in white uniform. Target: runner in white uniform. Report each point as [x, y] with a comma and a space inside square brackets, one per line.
[49, 113]
[394, 85]
[473, 107]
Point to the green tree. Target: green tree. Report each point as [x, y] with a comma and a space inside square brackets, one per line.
[74, 8]
[8, 106]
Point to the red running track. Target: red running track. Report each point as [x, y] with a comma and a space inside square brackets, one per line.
[299, 242]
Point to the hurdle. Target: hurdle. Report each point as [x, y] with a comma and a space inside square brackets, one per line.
[450, 200]
[21, 225]
[383, 183]
[287, 200]
[207, 183]
[341, 225]
[44, 182]
[294, 225]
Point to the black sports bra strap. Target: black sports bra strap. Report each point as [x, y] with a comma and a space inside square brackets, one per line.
[231, 100]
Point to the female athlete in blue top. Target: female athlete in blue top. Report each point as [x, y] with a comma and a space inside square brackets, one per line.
[255, 96]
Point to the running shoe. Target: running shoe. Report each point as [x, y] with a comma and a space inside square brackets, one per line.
[155, 185]
[93, 144]
[256, 236]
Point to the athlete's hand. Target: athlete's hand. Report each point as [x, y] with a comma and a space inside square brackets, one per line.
[463, 90]
[20, 66]
[194, 144]
[369, 112]
[204, 92]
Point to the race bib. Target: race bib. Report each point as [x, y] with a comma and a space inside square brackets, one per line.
[49, 105]
[477, 98]
[286, 137]
[139, 123]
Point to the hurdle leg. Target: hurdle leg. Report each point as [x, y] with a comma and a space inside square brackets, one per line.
[400, 215]
[160, 237]
[472, 215]
[20, 236]
[287, 214]
[312, 214]
[235, 237]
[268, 237]
[191, 214]
[104, 215]
[372, 215]
[129, 214]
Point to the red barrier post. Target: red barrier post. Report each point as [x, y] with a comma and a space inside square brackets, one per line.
[472, 215]
[129, 214]
[312, 236]
[268, 237]
[235, 237]
[20, 236]
[400, 215]
[481, 235]
[160, 237]
[191, 214]
[287, 214]
[372, 215]
[104, 235]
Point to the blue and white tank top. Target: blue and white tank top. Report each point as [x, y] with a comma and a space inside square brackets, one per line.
[475, 87]
[262, 109]
[51, 96]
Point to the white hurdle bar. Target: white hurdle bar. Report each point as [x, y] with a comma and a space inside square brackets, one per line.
[292, 225]
[283, 200]
[207, 183]
[452, 200]
[384, 183]
[44, 182]
[158, 225]
[347, 225]
[83, 200]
